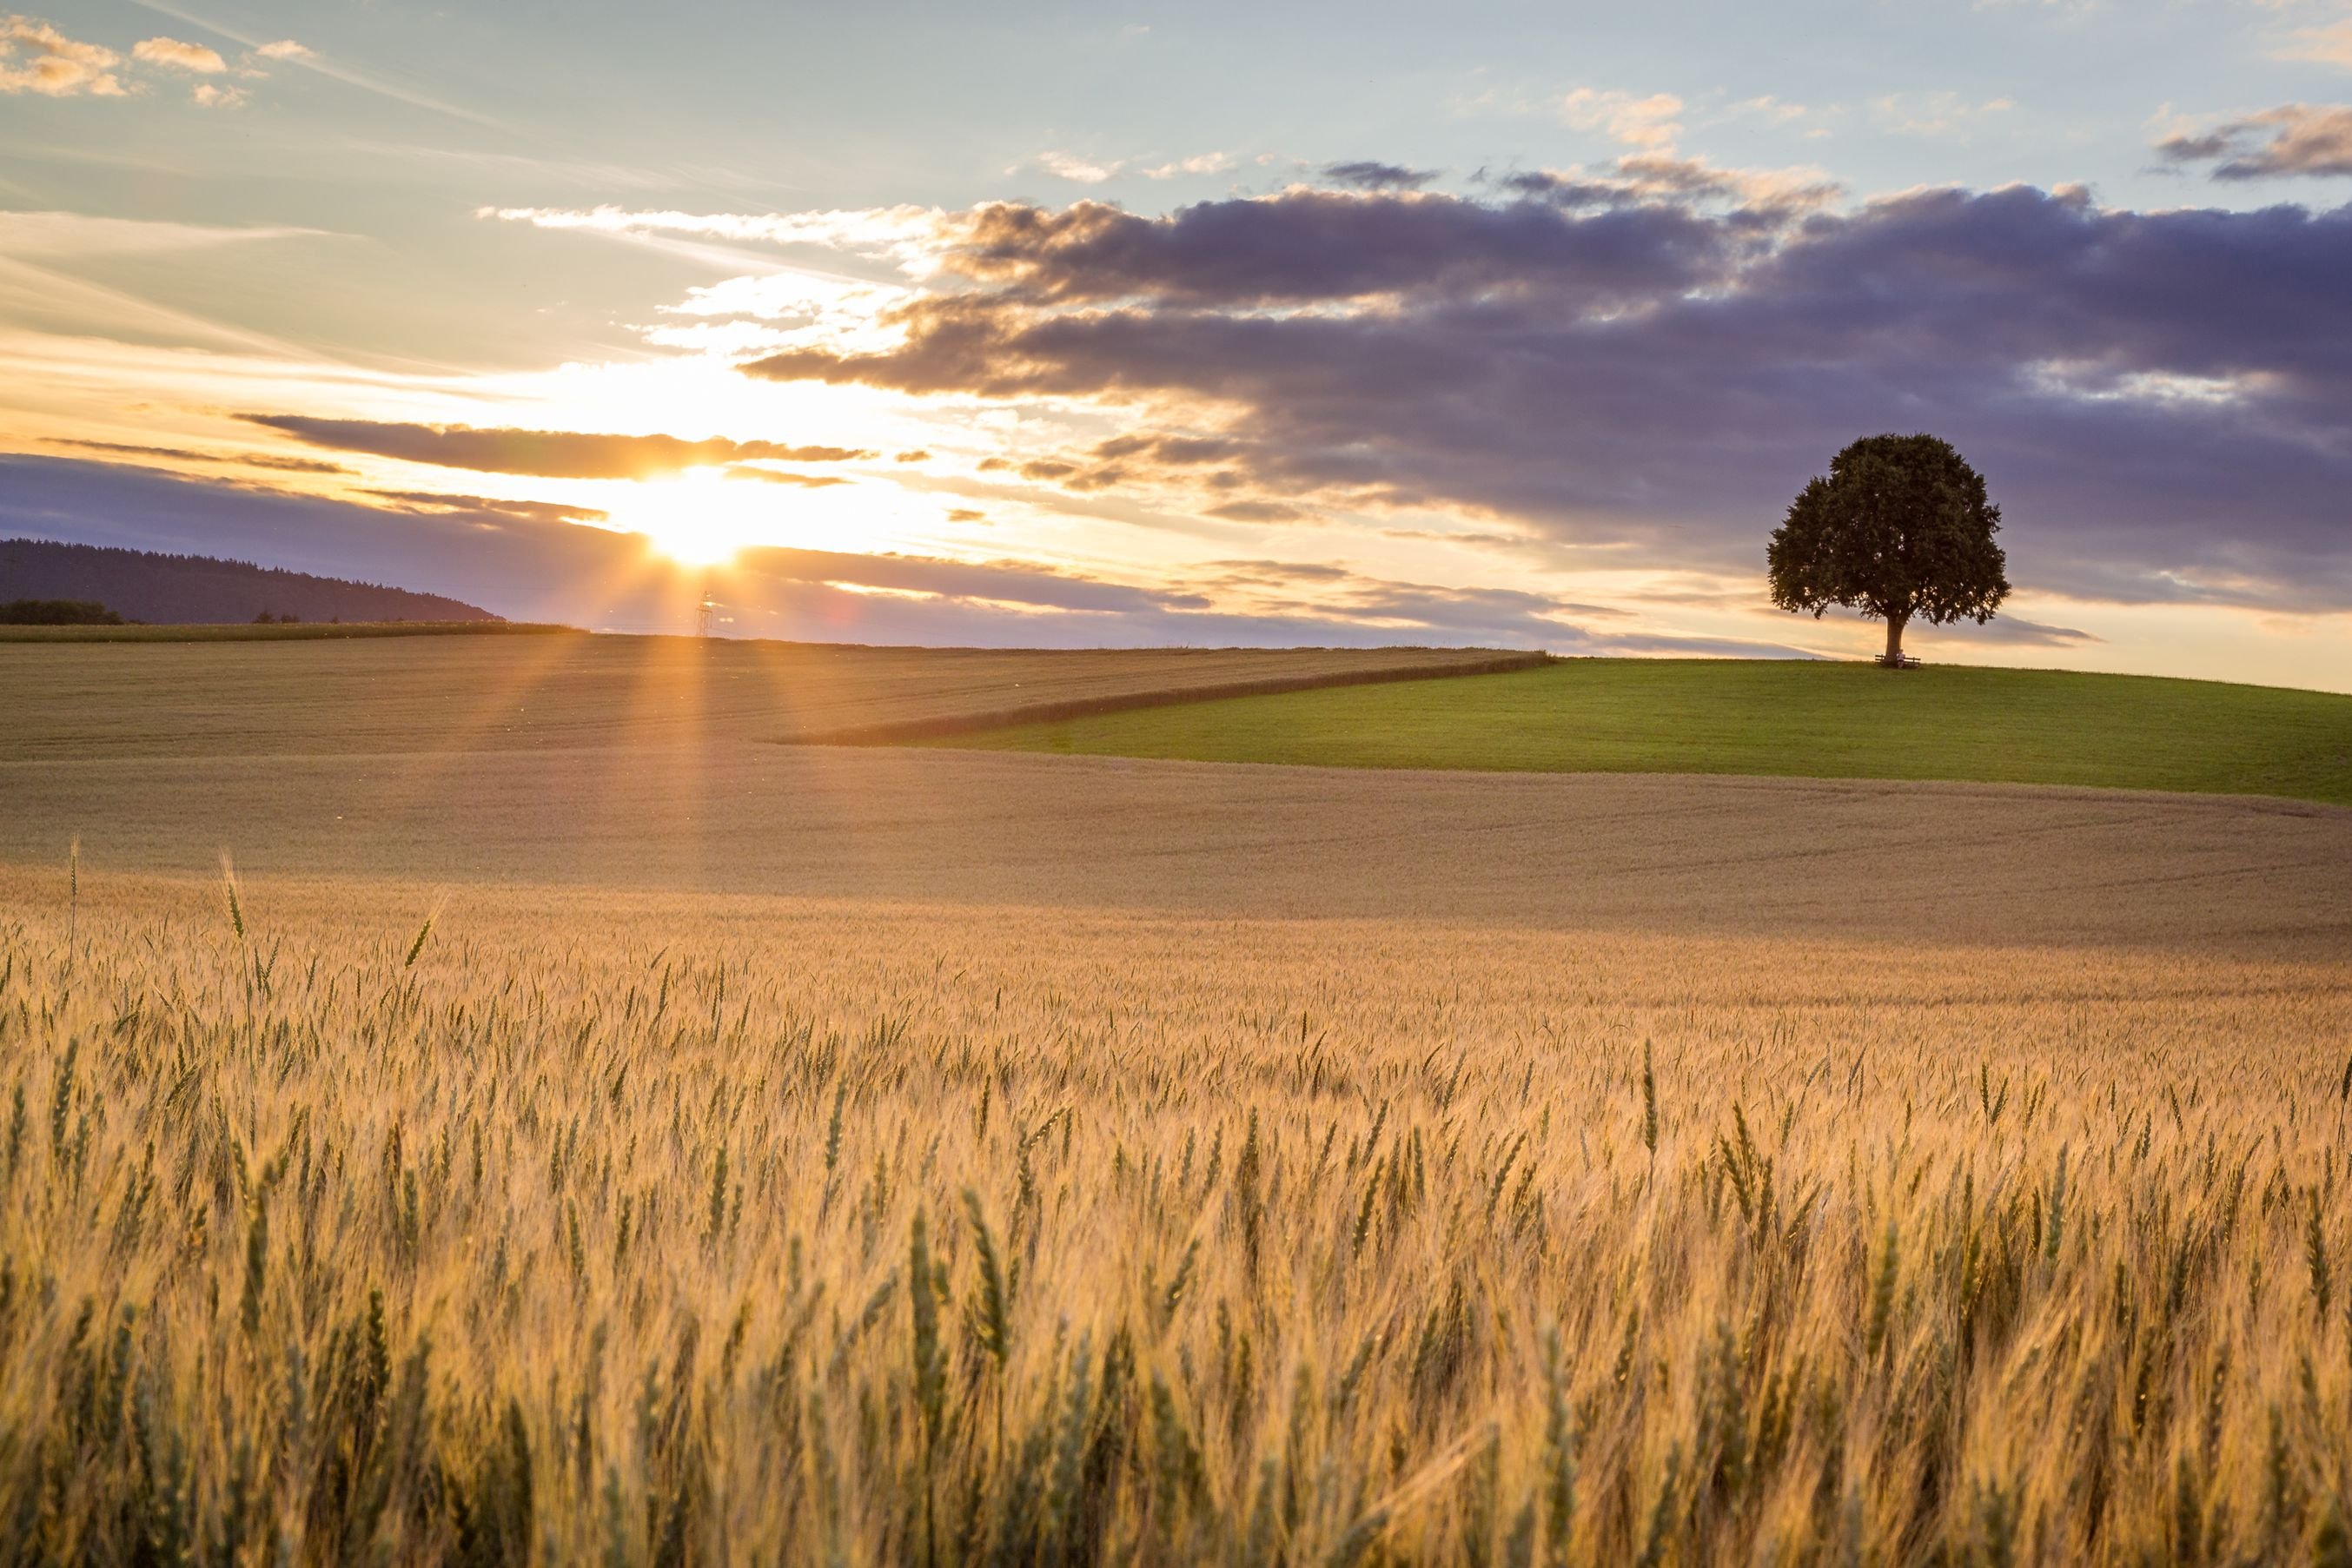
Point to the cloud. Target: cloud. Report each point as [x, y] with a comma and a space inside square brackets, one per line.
[287, 50]
[53, 65]
[1259, 512]
[782, 477]
[2015, 632]
[2329, 44]
[176, 56]
[1000, 582]
[1093, 171]
[1933, 114]
[70, 237]
[2293, 138]
[181, 455]
[1772, 111]
[533, 561]
[902, 233]
[35, 57]
[1198, 164]
[1651, 121]
[1473, 539]
[1081, 171]
[521, 554]
[1487, 616]
[1366, 175]
[545, 453]
[1322, 245]
[2162, 400]
[1666, 176]
[436, 503]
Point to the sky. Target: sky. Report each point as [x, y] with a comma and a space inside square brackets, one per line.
[1051, 326]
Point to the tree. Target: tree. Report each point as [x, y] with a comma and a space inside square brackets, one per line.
[1900, 531]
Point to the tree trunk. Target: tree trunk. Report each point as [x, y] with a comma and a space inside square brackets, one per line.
[1895, 624]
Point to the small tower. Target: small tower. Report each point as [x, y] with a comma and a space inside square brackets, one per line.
[702, 611]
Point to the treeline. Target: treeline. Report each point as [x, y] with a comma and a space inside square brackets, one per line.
[190, 590]
[56, 613]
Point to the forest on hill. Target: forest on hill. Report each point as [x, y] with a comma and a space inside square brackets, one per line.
[191, 589]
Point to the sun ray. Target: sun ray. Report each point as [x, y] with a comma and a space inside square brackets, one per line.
[433, 757]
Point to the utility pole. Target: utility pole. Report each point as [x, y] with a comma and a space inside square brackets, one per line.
[702, 611]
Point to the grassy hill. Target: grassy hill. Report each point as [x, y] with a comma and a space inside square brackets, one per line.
[1825, 720]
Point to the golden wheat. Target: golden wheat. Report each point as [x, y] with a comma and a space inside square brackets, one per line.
[576, 1226]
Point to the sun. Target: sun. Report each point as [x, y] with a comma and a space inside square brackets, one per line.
[706, 516]
[699, 518]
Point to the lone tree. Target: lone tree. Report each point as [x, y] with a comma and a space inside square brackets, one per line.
[1900, 529]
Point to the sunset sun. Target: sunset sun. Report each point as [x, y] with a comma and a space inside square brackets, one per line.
[700, 517]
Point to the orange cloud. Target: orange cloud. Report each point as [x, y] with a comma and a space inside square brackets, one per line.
[178, 55]
[1652, 121]
[2330, 45]
[54, 65]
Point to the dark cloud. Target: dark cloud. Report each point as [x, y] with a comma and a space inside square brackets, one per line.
[434, 503]
[1761, 199]
[1505, 615]
[2162, 401]
[285, 465]
[1316, 244]
[1366, 175]
[1511, 616]
[918, 456]
[2294, 138]
[544, 454]
[2010, 629]
[183, 455]
[964, 515]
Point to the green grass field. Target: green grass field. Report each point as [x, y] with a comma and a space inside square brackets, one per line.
[1818, 720]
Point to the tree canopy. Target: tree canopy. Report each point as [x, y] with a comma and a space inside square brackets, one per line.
[1900, 529]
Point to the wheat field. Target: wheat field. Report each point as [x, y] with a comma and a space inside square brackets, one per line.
[349, 1221]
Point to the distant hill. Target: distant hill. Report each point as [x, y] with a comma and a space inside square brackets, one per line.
[194, 589]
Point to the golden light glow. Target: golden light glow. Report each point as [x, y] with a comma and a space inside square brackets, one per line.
[700, 517]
